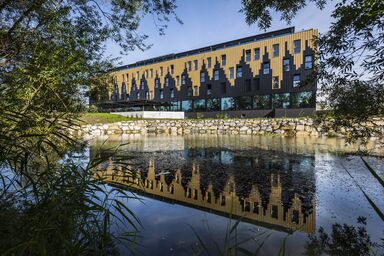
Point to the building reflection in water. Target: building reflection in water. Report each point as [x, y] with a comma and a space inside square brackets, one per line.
[272, 189]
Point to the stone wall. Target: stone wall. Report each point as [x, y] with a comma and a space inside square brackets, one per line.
[285, 127]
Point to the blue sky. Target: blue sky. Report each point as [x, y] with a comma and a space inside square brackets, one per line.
[209, 22]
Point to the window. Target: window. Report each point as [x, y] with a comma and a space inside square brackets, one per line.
[248, 85]
[196, 64]
[189, 65]
[281, 100]
[209, 60]
[178, 80]
[257, 84]
[174, 106]
[199, 105]
[308, 62]
[195, 91]
[224, 88]
[296, 46]
[156, 83]
[142, 84]
[248, 55]
[161, 94]
[286, 65]
[266, 68]
[172, 69]
[189, 91]
[275, 82]
[172, 93]
[303, 100]
[231, 72]
[151, 72]
[227, 104]
[244, 102]
[202, 77]
[296, 80]
[276, 50]
[223, 60]
[166, 81]
[183, 79]
[213, 104]
[239, 71]
[147, 95]
[161, 71]
[186, 105]
[209, 89]
[216, 75]
[257, 54]
[262, 102]
[146, 73]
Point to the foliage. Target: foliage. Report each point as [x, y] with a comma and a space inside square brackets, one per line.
[51, 52]
[344, 240]
[350, 56]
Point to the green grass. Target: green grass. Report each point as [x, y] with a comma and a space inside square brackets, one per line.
[102, 118]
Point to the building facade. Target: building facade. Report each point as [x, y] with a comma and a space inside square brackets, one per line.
[262, 75]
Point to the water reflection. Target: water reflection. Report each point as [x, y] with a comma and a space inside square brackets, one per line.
[269, 188]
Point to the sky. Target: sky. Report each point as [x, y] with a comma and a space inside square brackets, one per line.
[208, 22]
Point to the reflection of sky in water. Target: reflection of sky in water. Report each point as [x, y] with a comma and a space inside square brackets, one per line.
[167, 223]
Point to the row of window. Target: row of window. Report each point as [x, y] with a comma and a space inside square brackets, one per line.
[284, 100]
[195, 90]
[195, 64]
[239, 74]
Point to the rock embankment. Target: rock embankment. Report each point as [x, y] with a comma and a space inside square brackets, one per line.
[284, 127]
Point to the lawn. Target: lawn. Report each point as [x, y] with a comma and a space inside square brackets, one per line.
[102, 118]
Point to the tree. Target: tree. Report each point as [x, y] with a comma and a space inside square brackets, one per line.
[350, 68]
[51, 51]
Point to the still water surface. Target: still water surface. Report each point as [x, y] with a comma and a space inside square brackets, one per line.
[280, 188]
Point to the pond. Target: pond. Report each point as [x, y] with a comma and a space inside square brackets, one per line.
[274, 191]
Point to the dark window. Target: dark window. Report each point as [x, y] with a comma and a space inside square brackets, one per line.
[286, 65]
[244, 102]
[248, 85]
[275, 82]
[156, 83]
[151, 71]
[189, 91]
[172, 93]
[257, 54]
[142, 85]
[216, 75]
[303, 100]
[231, 72]
[223, 88]
[196, 64]
[262, 102]
[213, 104]
[295, 216]
[189, 65]
[161, 71]
[199, 105]
[223, 60]
[281, 100]
[248, 55]
[296, 80]
[297, 46]
[209, 60]
[172, 69]
[256, 207]
[239, 71]
[257, 84]
[183, 79]
[308, 62]
[276, 50]
[161, 94]
[209, 89]
[266, 68]
[166, 81]
[274, 211]
[202, 77]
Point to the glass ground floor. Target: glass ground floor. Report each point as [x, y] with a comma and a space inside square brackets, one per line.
[284, 100]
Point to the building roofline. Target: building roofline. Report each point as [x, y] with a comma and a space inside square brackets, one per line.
[245, 40]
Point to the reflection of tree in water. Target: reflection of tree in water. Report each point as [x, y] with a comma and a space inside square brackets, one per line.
[343, 240]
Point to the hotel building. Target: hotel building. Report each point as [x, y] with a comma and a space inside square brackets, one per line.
[266, 75]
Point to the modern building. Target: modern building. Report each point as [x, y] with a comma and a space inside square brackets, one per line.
[270, 74]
